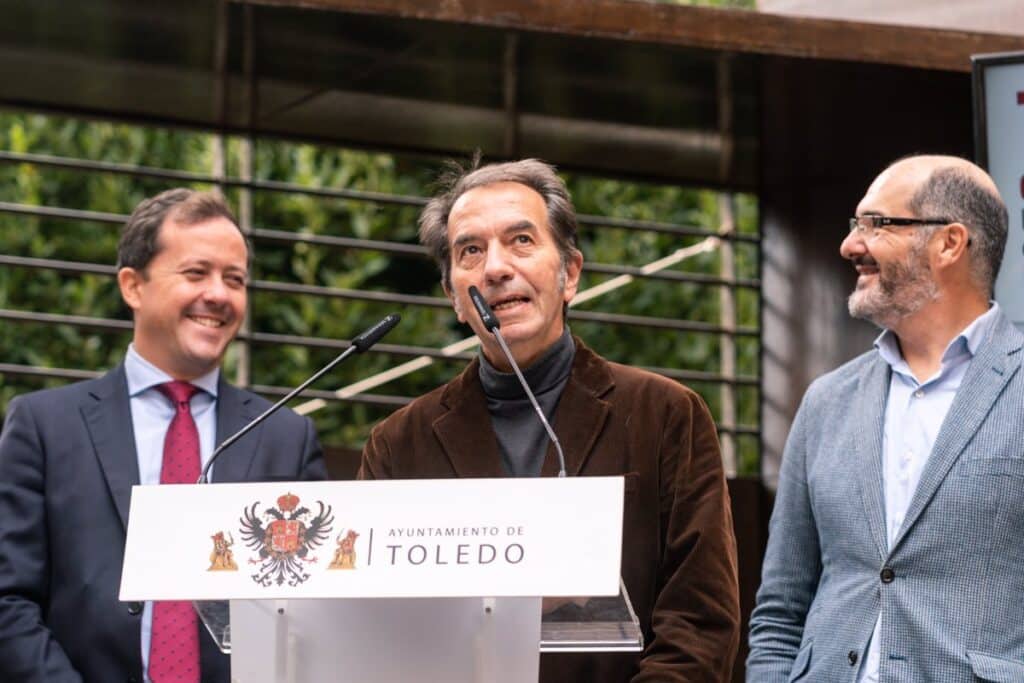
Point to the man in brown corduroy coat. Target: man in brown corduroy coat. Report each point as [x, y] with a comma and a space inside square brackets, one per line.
[510, 230]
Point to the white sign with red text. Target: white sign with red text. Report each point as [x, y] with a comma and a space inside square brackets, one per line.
[412, 538]
[1004, 135]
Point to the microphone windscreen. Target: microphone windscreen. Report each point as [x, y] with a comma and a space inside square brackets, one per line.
[490, 320]
[374, 334]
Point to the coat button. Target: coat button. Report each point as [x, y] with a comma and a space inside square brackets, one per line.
[135, 608]
[888, 575]
[852, 656]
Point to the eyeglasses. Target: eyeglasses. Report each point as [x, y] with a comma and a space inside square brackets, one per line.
[869, 225]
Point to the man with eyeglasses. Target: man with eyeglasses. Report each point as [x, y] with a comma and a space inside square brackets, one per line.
[896, 548]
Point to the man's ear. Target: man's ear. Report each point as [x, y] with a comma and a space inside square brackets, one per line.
[573, 268]
[955, 240]
[455, 302]
[130, 281]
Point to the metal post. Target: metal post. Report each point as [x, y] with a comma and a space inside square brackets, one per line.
[220, 93]
[511, 95]
[727, 269]
[243, 373]
[727, 341]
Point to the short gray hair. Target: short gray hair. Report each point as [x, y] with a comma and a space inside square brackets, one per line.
[955, 195]
[456, 181]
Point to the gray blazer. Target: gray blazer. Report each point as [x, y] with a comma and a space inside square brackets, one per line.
[951, 588]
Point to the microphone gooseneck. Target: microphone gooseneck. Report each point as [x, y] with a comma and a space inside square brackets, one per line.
[492, 325]
[358, 345]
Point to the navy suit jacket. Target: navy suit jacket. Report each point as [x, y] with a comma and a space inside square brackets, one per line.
[67, 465]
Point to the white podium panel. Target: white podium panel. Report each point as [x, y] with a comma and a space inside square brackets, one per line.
[413, 538]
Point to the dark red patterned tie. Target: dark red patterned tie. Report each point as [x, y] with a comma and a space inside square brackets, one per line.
[174, 647]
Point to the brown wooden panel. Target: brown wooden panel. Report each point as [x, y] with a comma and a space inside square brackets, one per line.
[717, 29]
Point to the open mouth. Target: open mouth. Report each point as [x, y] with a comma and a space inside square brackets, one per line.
[206, 321]
[508, 302]
[865, 266]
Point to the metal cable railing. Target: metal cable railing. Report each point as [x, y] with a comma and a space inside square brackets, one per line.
[394, 298]
[400, 248]
[287, 237]
[331, 193]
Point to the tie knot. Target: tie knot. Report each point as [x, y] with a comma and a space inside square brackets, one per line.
[178, 392]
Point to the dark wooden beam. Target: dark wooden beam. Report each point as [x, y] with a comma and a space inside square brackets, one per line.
[698, 27]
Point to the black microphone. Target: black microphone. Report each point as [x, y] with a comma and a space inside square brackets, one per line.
[358, 345]
[373, 335]
[490, 321]
[491, 324]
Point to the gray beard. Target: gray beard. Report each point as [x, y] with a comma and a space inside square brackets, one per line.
[900, 290]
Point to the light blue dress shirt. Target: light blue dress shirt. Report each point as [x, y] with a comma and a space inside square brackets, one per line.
[151, 416]
[914, 413]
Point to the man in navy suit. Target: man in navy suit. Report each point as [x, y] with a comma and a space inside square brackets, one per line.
[69, 456]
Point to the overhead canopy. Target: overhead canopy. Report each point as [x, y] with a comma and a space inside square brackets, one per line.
[610, 85]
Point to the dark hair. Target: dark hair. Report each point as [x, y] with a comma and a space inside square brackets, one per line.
[140, 240]
[457, 180]
[954, 194]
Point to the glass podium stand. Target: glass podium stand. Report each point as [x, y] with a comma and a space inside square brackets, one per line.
[385, 639]
[590, 624]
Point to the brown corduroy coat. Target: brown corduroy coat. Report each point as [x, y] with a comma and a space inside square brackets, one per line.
[678, 548]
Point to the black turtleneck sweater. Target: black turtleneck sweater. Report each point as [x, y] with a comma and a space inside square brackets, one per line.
[521, 436]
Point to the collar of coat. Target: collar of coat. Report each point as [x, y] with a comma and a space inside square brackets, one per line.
[580, 417]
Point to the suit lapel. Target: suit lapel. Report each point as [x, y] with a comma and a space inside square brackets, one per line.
[467, 435]
[997, 361]
[108, 418]
[465, 431]
[581, 412]
[868, 426]
[234, 411]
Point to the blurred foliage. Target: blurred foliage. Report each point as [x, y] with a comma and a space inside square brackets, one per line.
[345, 269]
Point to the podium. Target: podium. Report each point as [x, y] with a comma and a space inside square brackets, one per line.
[389, 581]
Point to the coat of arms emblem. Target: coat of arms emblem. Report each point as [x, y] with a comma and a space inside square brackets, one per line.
[345, 553]
[283, 544]
[222, 559]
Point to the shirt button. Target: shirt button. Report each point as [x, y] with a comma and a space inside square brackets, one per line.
[135, 608]
[887, 575]
[919, 393]
[852, 657]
